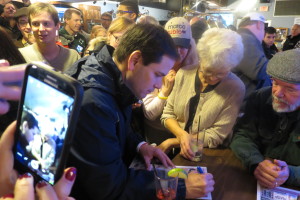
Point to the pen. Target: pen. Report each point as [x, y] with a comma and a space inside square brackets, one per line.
[199, 169]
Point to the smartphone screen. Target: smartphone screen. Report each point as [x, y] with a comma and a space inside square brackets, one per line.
[43, 123]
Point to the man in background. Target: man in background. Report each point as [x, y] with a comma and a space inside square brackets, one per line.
[268, 42]
[252, 68]
[198, 26]
[292, 39]
[44, 22]
[69, 35]
[7, 20]
[21, 17]
[106, 20]
[129, 10]
[266, 139]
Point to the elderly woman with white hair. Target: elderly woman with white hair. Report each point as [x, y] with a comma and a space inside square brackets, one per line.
[206, 99]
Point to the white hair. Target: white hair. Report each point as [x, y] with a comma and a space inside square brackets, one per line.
[146, 19]
[220, 48]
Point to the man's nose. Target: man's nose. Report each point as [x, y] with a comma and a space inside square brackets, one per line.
[279, 92]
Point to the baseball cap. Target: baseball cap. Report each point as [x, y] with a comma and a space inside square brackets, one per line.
[254, 17]
[21, 12]
[180, 31]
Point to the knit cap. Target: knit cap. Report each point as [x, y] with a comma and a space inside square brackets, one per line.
[180, 30]
[285, 66]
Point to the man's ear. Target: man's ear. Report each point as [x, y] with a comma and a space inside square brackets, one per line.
[133, 16]
[259, 25]
[133, 59]
[25, 125]
[58, 25]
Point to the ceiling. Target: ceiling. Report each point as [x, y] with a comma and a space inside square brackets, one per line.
[173, 5]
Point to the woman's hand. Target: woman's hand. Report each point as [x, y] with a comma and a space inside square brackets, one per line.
[168, 83]
[23, 186]
[185, 148]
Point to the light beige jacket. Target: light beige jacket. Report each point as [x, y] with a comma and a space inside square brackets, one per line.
[218, 109]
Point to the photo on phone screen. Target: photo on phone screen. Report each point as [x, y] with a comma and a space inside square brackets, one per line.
[43, 123]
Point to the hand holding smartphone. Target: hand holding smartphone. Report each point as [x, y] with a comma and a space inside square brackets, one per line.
[47, 116]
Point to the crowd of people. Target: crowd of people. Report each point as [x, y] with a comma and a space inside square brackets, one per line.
[145, 83]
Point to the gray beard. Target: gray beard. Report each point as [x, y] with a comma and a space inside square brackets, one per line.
[287, 108]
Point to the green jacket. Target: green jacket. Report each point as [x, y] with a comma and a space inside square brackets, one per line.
[77, 42]
[262, 133]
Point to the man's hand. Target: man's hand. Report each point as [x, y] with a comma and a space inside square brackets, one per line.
[283, 173]
[168, 144]
[198, 185]
[271, 175]
[149, 152]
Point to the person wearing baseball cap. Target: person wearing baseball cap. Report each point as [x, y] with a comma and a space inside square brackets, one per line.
[267, 137]
[153, 104]
[252, 68]
[26, 39]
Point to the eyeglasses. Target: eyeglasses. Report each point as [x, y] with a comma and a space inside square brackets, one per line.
[216, 75]
[23, 23]
[122, 12]
[116, 38]
[105, 19]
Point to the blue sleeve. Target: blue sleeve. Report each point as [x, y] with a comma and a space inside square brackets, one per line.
[294, 177]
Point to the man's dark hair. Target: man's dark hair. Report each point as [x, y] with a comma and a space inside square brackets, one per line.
[198, 28]
[270, 30]
[152, 40]
[131, 6]
[31, 121]
[107, 14]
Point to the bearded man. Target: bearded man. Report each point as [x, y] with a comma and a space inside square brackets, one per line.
[267, 137]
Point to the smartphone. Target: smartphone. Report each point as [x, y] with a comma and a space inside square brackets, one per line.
[47, 115]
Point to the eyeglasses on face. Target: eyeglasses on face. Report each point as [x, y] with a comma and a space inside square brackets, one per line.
[122, 12]
[104, 19]
[219, 75]
[23, 23]
[117, 39]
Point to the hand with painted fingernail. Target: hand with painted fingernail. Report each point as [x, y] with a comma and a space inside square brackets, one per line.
[61, 190]
[13, 186]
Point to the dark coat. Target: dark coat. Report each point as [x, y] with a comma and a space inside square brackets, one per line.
[290, 42]
[104, 144]
[263, 133]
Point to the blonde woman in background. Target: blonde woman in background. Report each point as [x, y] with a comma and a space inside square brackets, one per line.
[117, 28]
[98, 31]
